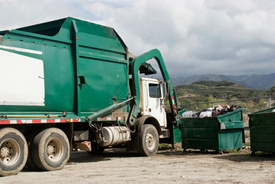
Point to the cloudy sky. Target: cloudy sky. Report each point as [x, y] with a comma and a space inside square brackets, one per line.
[194, 37]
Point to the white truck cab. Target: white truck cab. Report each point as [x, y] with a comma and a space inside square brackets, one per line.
[152, 100]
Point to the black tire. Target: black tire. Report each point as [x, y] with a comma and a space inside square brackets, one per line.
[13, 151]
[30, 164]
[148, 140]
[50, 150]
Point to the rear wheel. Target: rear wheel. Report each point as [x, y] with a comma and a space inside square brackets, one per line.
[148, 140]
[50, 149]
[30, 164]
[13, 151]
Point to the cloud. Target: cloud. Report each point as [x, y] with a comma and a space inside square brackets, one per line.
[17, 13]
[195, 37]
[202, 36]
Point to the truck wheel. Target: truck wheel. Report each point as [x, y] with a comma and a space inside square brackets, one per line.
[148, 140]
[50, 149]
[13, 151]
[30, 164]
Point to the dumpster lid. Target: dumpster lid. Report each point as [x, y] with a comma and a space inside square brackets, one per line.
[270, 110]
[231, 120]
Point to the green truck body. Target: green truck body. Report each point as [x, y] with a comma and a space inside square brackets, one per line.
[72, 84]
[77, 67]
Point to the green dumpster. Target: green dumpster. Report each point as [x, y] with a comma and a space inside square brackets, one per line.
[262, 131]
[215, 133]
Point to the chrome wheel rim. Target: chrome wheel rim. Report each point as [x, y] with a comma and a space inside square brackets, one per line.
[9, 152]
[150, 141]
[55, 150]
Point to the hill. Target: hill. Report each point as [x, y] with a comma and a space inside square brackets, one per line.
[249, 81]
[209, 91]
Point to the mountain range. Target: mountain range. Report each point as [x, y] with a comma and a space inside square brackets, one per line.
[255, 81]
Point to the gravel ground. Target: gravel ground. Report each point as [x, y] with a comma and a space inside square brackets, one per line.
[167, 166]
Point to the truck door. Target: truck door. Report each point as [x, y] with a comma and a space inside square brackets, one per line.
[153, 102]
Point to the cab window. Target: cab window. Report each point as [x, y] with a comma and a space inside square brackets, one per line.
[154, 91]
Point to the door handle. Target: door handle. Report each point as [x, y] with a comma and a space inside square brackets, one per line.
[81, 80]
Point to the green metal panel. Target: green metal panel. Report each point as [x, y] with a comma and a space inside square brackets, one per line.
[231, 116]
[231, 125]
[200, 133]
[230, 139]
[265, 111]
[85, 66]
[105, 81]
[201, 144]
[207, 122]
[262, 130]
[217, 133]
[263, 146]
[176, 135]
[270, 129]
[263, 138]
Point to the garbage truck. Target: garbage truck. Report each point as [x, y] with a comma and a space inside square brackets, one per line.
[70, 84]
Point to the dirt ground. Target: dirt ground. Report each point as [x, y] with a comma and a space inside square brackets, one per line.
[167, 166]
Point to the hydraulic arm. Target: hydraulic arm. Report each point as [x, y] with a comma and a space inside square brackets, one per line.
[135, 65]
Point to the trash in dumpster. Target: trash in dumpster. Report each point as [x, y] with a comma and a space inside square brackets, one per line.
[216, 110]
[206, 113]
[189, 114]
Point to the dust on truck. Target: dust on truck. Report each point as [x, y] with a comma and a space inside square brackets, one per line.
[70, 84]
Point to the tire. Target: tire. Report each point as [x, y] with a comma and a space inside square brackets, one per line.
[30, 164]
[50, 150]
[13, 151]
[148, 140]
